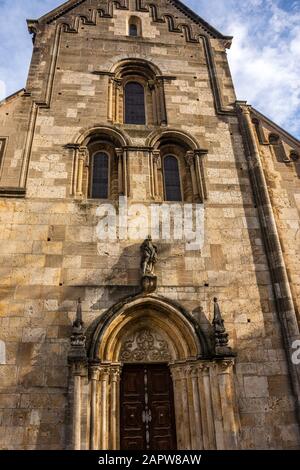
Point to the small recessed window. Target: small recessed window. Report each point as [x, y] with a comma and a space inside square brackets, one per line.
[133, 31]
[134, 26]
[135, 112]
[172, 179]
[100, 176]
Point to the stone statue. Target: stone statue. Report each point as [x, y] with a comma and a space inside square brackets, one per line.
[149, 257]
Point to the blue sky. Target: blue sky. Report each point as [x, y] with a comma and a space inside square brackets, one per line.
[264, 58]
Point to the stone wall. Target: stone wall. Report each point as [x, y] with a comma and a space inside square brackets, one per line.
[50, 254]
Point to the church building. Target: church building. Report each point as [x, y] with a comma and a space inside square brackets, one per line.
[118, 329]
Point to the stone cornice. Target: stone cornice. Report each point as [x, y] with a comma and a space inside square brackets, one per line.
[143, 6]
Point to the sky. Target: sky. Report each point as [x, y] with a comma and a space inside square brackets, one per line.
[264, 57]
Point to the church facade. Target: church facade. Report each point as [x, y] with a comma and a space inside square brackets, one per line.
[115, 334]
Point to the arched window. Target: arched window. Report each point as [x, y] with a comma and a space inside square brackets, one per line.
[133, 30]
[278, 148]
[135, 104]
[172, 179]
[134, 26]
[99, 184]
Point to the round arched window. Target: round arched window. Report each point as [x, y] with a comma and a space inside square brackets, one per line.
[99, 189]
[135, 103]
[172, 179]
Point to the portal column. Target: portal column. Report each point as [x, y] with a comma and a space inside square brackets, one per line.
[114, 408]
[94, 377]
[194, 407]
[181, 407]
[231, 424]
[104, 388]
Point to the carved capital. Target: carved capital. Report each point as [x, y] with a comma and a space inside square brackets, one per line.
[152, 84]
[200, 153]
[190, 157]
[119, 153]
[156, 158]
[83, 153]
[243, 107]
[104, 372]
[115, 373]
[117, 82]
[79, 368]
[94, 372]
[225, 365]
[178, 372]
[203, 367]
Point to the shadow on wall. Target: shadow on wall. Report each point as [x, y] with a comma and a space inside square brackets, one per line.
[257, 337]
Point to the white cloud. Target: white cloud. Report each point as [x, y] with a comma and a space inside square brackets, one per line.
[265, 55]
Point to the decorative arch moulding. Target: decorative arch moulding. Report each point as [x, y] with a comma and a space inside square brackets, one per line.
[106, 11]
[201, 37]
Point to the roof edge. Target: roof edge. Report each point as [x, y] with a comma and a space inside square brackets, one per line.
[20, 92]
[190, 13]
[273, 124]
[70, 4]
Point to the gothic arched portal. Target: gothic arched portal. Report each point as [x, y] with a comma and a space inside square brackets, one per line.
[146, 334]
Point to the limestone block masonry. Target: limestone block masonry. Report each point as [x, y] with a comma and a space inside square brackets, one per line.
[60, 387]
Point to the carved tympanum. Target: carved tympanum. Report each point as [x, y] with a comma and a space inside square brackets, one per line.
[145, 346]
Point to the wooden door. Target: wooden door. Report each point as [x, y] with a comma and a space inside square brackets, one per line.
[147, 408]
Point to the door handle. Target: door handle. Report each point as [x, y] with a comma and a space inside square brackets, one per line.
[147, 416]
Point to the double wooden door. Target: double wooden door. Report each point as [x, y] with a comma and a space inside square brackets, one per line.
[147, 408]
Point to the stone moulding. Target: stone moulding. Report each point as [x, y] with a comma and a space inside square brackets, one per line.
[9, 192]
[145, 346]
[148, 330]
[281, 287]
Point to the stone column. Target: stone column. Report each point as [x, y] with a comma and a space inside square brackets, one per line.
[216, 407]
[151, 182]
[114, 408]
[119, 153]
[156, 166]
[194, 407]
[82, 158]
[200, 175]
[78, 373]
[155, 110]
[191, 163]
[94, 377]
[162, 103]
[207, 418]
[125, 174]
[181, 400]
[122, 172]
[231, 424]
[104, 387]
[117, 88]
[110, 99]
[195, 161]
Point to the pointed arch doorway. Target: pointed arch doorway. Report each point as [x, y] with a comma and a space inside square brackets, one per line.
[149, 358]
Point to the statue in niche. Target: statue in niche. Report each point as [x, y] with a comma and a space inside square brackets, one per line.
[149, 257]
